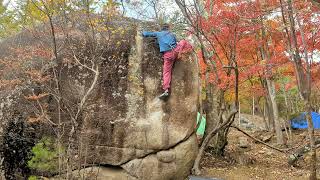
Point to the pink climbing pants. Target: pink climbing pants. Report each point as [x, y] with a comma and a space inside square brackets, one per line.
[169, 58]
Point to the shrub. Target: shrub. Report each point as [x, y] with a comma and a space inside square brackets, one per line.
[16, 146]
[45, 156]
[33, 178]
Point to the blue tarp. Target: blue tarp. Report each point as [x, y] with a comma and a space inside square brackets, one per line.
[301, 122]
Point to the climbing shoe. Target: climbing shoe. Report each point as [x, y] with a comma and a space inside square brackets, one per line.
[164, 95]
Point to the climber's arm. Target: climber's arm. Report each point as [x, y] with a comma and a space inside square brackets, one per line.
[149, 34]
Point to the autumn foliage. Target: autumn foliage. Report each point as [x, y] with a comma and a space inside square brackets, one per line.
[232, 30]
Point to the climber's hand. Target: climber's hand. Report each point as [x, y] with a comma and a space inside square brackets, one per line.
[180, 56]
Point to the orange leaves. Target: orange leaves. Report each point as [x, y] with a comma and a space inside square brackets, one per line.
[290, 85]
[33, 119]
[272, 24]
[42, 53]
[36, 97]
[8, 64]
[23, 65]
[38, 118]
[203, 65]
[251, 36]
[9, 84]
[31, 52]
[37, 76]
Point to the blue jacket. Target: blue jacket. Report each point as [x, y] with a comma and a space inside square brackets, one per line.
[166, 39]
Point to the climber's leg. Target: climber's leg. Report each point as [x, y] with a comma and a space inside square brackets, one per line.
[168, 61]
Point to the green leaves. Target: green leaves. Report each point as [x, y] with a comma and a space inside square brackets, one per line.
[8, 24]
[32, 178]
[45, 155]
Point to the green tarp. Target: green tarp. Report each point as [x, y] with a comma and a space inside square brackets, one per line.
[202, 126]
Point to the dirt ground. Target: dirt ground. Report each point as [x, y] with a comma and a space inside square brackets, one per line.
[258, 161]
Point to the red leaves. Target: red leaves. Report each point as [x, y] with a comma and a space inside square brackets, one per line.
[42, 53]
[233, 31]
[9, 84]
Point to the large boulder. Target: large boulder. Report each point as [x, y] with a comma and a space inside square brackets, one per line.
[147, 137]
[122, 123]
[174, 163]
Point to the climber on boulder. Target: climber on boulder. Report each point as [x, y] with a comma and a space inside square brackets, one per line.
[171, 51]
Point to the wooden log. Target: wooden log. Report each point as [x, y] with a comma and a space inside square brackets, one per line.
[294, 157]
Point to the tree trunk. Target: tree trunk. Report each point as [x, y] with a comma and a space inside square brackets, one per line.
[270, 84]
[213, 109]
[286, 103]
[313, 160]
[287, 121]
[253, 105]
[303, 76]
[211, 106]
[239, 114]
[270, 114]
[221, 142]
[272, 94]
[266, 124]
[196, 166]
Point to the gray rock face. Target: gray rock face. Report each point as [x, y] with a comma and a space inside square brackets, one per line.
[99, 173]
[174, 163]
[123, 123]
[152, 139]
